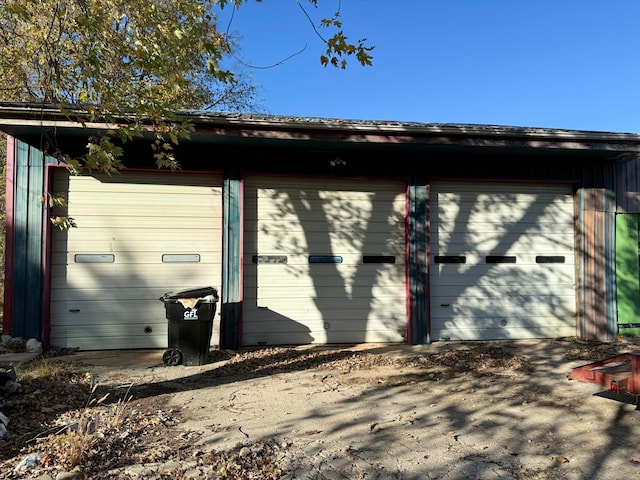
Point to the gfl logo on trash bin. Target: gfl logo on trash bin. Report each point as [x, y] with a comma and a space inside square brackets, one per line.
[191, 314]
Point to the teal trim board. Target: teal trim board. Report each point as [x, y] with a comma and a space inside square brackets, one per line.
[418, 264]
[231, 311]
[28, 231]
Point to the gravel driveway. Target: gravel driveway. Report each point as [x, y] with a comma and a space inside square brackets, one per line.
[484, 410]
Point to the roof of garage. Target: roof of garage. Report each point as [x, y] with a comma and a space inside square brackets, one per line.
[28, 121]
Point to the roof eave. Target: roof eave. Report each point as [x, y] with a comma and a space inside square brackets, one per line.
[256, 127]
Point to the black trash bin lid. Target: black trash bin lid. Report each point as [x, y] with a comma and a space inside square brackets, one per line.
[192, 293]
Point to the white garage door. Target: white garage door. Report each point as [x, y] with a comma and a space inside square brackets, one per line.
[324, 261]
[138, 236]
[502, 261]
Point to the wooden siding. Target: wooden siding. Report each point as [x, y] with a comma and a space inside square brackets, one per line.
[627, 179]
[596, 309]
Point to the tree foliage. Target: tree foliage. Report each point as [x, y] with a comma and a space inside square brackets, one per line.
[132, 64]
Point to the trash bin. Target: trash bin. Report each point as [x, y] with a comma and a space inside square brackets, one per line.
[190, 314]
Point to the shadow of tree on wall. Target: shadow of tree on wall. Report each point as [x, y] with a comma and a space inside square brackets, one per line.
[501, 300]
[520, 298]
[320, 233]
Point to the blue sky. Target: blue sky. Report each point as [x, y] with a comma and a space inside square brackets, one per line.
[569, 64]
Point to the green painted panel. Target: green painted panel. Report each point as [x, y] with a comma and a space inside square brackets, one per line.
[28, 231]
[627, 273]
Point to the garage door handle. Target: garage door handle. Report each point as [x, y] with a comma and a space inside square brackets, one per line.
[74, 310]
[445, 304]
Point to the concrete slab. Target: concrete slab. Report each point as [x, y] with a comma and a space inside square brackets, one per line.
[14, 359]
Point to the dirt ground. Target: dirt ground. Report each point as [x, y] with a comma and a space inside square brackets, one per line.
[478, 410]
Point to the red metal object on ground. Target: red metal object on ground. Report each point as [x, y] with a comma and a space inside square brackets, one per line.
[620, 374]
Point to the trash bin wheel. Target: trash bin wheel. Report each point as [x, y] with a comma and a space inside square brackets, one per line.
[172, 357]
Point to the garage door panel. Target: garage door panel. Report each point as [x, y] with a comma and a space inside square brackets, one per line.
[306, 286]
[90, 295]
[514, 247]
[313, 325]
[458, 242]
[533, 330]
[81, 323]
[319, 206]
[510, 212]
[326, 276]
[80, 330]
[331, 187]
[333, 193]
[126, 220]
[317, 211]
[125, 308]
[295, 241]
[514, 321]
[160, 284]
[497, 226]
[109, 339]
[165, 245]
[275, 333]
[121, 193]
[511, 281]
[507, 292]
[485, 275]
[129, 181]
[135, 270]
[485, 194]
[127, 212]
[297, 250]
[330, 292]
[517, 305]
[504, 236]
[319, 337]
[302, 305]
[340, 319]
[82, 275]
[141, 235]
[321, 225]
